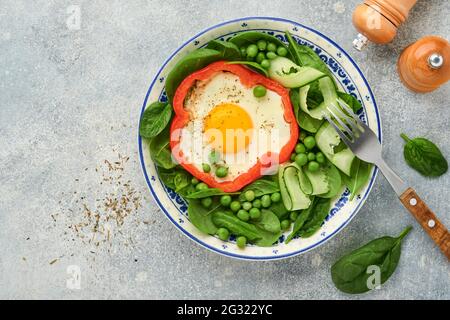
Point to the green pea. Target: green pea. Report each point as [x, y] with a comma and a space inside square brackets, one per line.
[285, 224]
[300, 148]
[252, 50]
[265, 64]
[214, 156]
[275, 197]
[235, 206]
[259, 91]
[301, 159]
[302, 136]
[265, 201]
[256, 203]
[310, 142]
[293, 215]
[249, 195]
[271, 55]
[262, 45]
[206, 202]
[221, 172]
[201, 186]
[243, 215]
[247, 205]
[260, 57]
[223, 234]
[225, 200]
[241, 241]
[320, 158]
[313, 166]
[282, 51]
[293, 156]
[206, 167]
[255, 213]
[311, 156]
[243, 51]
[272, 47]
[194, 181]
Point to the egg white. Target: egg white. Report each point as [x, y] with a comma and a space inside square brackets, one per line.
[270, 130]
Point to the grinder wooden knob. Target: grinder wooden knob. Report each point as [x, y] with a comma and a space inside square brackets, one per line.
[425, 65]
[378, 20]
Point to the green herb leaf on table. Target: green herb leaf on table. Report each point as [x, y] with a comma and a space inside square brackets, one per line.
[350, 273]
[209, 193]
[155, 119]
[228, 50]
[190, 63]
[424, 156]
[160, 150]
[201, 217]
[358, 179]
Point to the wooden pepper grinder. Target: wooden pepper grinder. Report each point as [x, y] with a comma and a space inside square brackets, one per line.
[378, 20]
[425, 65]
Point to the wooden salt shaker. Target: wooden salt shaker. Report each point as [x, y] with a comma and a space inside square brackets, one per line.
[378, 20]
[425, 65]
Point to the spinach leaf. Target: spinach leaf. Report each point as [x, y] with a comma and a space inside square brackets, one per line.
[177, 179]
[190, 63]
[160, 150]
[315, 96]
[334, 180]
[318, 214]
[306, 57]
[268, 221]
[156, 117]
[201, 217]
[351, 273]
[244, 39]
[235, 225]
[261, 187]
[267, 238]
[279, 210]
[304, 120]
[358, 179]
[300, 221]
[209, 193]
[253, 65]
[228, 50]
[350, 100]
[424, 156]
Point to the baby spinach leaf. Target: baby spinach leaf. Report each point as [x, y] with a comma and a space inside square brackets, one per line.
[279, 210]
[268, 221]
[358, 179]
[201, 217]
[244, 39]
[350, 100]
[351, 273]
[424, 156]
[304, 120]
[235, 225]
[190, 63]
[253, 65]
[177, 179]
[209, 193]
[156, 117]
[334, 180]
[160, 150]
[267, 239]
[318, 214]
[302, 217]
[228, 50]
[261, 187]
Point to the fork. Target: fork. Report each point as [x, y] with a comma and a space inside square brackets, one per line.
[363, 142]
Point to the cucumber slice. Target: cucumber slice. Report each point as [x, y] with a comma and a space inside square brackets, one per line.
[305, 184]
[318, 180]
[328, 90]
[291, 193]
[327, 139]
[334, 181]
[290, 75]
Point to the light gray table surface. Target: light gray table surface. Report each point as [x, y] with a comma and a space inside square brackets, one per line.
[70, 99]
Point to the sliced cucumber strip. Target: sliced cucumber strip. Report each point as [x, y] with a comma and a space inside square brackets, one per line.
[328, 90]
[290, 75]
[318, 180]
[291, 193]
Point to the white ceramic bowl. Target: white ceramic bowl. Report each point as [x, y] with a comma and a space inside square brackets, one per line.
[351, 80]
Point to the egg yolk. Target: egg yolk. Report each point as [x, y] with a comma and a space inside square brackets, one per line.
[227, 127]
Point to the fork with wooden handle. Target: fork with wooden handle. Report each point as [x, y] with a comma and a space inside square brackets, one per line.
[365, 145]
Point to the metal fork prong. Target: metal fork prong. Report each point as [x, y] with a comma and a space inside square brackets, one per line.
[342, 124]
[352, 114]
[339, 132]
[355, 129]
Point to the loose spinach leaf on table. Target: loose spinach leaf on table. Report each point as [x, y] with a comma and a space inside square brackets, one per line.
[261, 187]
[235, 225]
[315, 219]
[209, 193]
[359, 178]
[424, 156]
[253, 65]
[228, 50]
[350, 273]
[156, 117]
[201, 217]
[352, 102]
[160, 150]
[190, 63]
